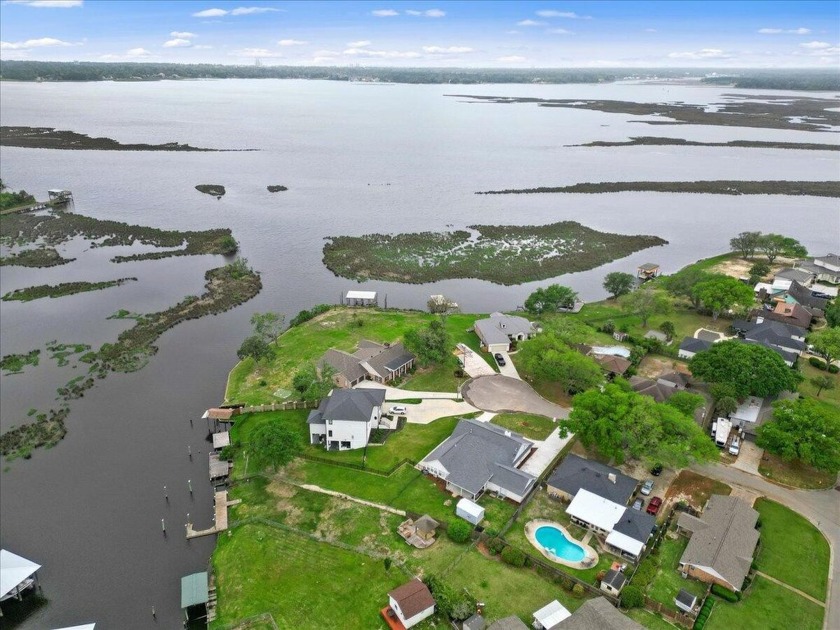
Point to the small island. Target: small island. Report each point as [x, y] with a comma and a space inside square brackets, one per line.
[28, 294]
[717, 187]
[277, 188]
[216, 190]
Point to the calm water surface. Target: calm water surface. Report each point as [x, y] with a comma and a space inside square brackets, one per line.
[357, 159]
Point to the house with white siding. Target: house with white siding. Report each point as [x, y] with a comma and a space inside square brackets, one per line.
[344, 419]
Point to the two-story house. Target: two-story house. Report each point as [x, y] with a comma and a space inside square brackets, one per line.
[345, 418]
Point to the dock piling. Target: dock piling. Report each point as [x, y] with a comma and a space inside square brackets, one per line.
[189, 485]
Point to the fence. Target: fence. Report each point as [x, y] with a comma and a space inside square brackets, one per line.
[674, 616]
[284, 406]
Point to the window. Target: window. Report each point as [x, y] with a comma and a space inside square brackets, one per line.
[330, 432]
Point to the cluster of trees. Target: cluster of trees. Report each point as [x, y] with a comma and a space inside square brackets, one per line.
[777, 79]
[548, 358]
[645, 303]
[274, 444]
[803, 429]
[267, 327]
[431, 344]
[455, 604]
[713, 291]
[313, 383]
[10, 199]
[550, 299]
[771, 245]
[621, 423]
[618, 283]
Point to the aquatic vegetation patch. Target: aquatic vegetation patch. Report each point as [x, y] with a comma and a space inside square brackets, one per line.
[37, 257]
[61, 352]
[739, 144]
[47, 431]
[713, 187]
[27, 294]
[217, 190]
[501, 254]
[274, 189]
[15, 363]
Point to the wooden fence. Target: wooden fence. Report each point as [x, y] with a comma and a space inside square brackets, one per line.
[674, 616]
[284, 406]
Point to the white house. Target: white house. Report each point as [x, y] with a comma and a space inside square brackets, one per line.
[627, 530]
[412, 602]
[344, 419]
[497, 331]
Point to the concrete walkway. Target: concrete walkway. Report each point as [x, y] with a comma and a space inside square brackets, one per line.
[394, 393]
[474, 363]
[546, 451]
[504, 394]
[790, 588]
[508, 369]
[818, 506]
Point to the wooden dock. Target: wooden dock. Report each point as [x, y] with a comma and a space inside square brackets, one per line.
[221, 519]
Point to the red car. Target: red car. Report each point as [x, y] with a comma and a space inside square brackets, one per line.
[654, 505]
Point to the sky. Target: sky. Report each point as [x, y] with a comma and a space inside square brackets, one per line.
[682, 33]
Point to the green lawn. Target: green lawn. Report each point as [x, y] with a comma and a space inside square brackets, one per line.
[792, 550]
[767, 606]
[827, 396]
[668, 581]
[649, 619]
[263, 569]
[531, 426]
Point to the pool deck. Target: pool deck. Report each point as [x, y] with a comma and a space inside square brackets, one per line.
[589, 560]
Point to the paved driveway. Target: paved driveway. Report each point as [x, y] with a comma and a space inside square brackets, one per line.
[394, 393]
[508, 369]
[749, 458]
[821, 507]
[505, 394]
[433, 408]
[546, 451]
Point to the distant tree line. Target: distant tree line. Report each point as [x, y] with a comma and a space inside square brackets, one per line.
[755, 79]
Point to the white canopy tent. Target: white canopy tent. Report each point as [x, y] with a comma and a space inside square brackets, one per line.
[14, 571]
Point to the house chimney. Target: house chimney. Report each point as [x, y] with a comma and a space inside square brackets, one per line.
[611, 477]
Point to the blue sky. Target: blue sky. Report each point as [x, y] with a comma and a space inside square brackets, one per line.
[716, 34]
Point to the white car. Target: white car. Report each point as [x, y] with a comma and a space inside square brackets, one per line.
[398, 410]
[735, 447]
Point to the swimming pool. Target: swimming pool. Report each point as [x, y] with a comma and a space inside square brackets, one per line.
[555, 542]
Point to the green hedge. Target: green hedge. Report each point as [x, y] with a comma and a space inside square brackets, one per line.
[725, 593]
[513, 557]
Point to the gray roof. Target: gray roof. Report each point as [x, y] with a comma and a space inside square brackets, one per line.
[636, 524]
[767, 333]
[575, 473]
[655, 334]
[498, 328]
[348, 404]
[344, 363]
[677, 378]
[597, 614]
[831, 259]
[723, 538]
[690, 344]
[614, 578]
[476, 622]
[478, 452]
[803, 295]
[800, 275]
[369, 355]
[508, 623]
[686, 598]
[785, 354]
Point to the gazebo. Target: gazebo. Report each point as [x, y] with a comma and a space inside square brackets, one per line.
[17, 574]
[647, 271]
[360, 298]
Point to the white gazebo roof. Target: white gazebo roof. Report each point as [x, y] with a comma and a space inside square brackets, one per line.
[551, 614]
[14, 570]
[595, 510]
[361, 295]
[625, 543]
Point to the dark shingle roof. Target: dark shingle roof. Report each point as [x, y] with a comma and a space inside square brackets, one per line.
[636, 524]
[613, 364]
[575, 473]
[767, 333]
[647, 387]
[614, 578]
[508, 623]
[476, 622]
[597, 614]
[803, 296]
[344, 363]
[786, 355]
[690, 344]
[686, 599]
[796, 316]
[350, 404]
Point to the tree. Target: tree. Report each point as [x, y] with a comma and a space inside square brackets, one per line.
[459, 530]
[274, 443]
[772, 245]
[254, 347]
[682, 283]
[547, 358]
[746, 243]
[312, 383]
[645, 303]
[431, 343]
[267, 326]
[550, 299]
[826, 343]
[720, 293]
[618, 422]
[441, 305]
[823, 381]
[750, 369]
[618, 283]
[793, 248]
[632, 597]
[803, 429]
[832, 313]
[726, 405]
[686, 402]
[758, 271]
[668, 328]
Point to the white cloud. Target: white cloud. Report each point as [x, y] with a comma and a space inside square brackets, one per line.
[49, 4]
[252, 10]
[359, 44]
[434, 13]
[177, 43]
[137, 52]
[563, 14]
[210, 13]
[182, 34]
[650, 30]
[381, 54]
[705, 53]
[43, 42]
[559, 31]
[511, 59]
[815, 45]
[788, 31]
[447, 50]
[261, 53]
[531, 23]
[291, 42]
[384, 13]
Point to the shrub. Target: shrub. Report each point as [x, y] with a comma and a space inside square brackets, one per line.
[817, 363]
[833, 369]
[226, 453]
[566, 583]
[600, 576]
[496, 545]
[305, 316]
[699, 625]
[387, 563]
[578, 591]
[459, 531]
[724, 593]
[513, 557]
[631, 597]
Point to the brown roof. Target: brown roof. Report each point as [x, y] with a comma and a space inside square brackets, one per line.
[792, 314]
[654, 389]
[426, 524]
[412, 598]
[613, 364]
[221, 414]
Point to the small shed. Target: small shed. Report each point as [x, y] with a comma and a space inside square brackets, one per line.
[685, 601]
[469, 511]
[360, 298]
[221, 440]
[476, 622]
[412, 602]
[613, 582]
[16, 574]
[219, 468]
[550, 615]
[195, 593]
[220, 415]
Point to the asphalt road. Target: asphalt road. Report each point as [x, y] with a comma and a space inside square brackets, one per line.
[505, 394]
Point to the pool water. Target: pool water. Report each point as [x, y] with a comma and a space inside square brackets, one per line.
[552, 540]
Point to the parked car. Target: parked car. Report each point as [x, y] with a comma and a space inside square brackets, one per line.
[499, 359]
[656, 470]
[735, 447]
[638, 504]
[714, 429]
[654, 505]
[398, 410]
[647, 487]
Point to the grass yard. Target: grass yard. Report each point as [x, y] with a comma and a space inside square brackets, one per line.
[531, 426]
[767, 606]
[668, 581]
[262, 569]
[695, 489]
[506, 590]
[340, 328]
[649, 620]
[792, 550]
[827, 396]
[794, 473]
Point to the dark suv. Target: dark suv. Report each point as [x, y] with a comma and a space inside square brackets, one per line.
[499, 359]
